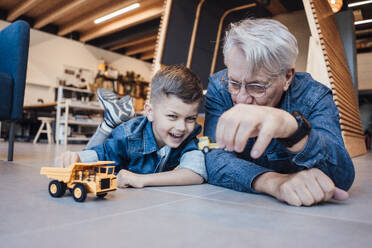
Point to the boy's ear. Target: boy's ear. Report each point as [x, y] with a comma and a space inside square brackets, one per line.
[148, 111]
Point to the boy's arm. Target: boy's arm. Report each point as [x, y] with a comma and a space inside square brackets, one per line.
[113, 149]
[175, 177]
[191, 170]
[66, 158]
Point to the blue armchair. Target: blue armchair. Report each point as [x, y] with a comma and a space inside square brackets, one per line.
[14, 44]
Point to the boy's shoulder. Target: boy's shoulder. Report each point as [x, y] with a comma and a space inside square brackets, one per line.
[134, 126]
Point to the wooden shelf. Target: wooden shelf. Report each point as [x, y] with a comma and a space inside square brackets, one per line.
[66, 105]
[77, 139]
[76, 89]
[81, 123]
[41, 85]
[80, 105]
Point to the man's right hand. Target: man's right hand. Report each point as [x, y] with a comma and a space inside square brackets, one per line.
[66, 158]
[307, 187]
[244, 121]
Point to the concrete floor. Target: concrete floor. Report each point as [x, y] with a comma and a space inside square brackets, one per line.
[192, 216]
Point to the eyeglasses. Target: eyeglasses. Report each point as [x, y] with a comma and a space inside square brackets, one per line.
[254, 88]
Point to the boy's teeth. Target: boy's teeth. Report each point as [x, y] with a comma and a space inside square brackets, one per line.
[177, 136]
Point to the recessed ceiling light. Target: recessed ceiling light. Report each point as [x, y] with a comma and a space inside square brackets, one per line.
[116, 13]
[359, 3]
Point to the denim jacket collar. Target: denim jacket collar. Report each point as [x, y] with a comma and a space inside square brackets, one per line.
[143, 141]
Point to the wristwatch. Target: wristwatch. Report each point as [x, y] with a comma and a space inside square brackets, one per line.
[304, 128]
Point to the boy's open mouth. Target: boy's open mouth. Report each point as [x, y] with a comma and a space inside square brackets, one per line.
[177, 136]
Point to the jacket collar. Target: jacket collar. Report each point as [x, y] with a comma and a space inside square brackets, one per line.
[142, 139]
[149, 142]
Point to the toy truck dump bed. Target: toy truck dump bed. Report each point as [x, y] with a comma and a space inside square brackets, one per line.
[60, 174]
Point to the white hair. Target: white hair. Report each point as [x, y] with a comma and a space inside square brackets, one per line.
[268, 46]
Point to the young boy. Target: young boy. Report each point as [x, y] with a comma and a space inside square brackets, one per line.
[159, 149]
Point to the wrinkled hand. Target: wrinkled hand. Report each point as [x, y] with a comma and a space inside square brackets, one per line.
[244, 121]
[306, 188]
[126, 178]
[66, 158]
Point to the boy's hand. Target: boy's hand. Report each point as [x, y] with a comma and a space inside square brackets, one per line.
[66, 158]
[307, 187]
[126, 178]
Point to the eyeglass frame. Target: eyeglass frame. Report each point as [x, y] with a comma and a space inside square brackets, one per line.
[252, 83]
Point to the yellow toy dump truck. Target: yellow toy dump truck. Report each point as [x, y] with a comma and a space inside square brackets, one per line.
[206, 145]
[82, 178]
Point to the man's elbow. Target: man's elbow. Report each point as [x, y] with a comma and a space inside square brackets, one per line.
[342, 175]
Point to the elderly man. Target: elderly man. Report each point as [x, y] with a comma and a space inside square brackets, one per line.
[280, 129]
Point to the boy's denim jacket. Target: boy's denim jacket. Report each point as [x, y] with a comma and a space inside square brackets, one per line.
[133, 147]
[324, 149]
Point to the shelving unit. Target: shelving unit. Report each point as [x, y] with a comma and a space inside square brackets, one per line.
[66, 105]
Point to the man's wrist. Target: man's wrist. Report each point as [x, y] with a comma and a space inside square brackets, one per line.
[263, 183]
[302, 130]
[269, 183]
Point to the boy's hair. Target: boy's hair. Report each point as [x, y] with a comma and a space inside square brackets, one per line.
[179, 81]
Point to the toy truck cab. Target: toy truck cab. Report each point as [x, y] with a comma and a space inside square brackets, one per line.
[82, 178]
[206, 145]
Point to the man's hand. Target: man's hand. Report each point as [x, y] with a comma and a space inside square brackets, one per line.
[307, 187]
[66, 158]
[244, 121]
[126, 178]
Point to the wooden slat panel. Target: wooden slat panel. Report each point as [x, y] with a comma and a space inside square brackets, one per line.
[140, 48]
[354, 145]
[144, 15]
[342, 101]
[22, 8]
[134, 42]
[351, 130]
[343, 110]
[324, 28]
[352, 125]
[58, 13]
[147, 55]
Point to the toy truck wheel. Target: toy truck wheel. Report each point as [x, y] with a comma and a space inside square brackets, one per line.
[56, 189]
[101, 196]
[79, 192]
[206, 149]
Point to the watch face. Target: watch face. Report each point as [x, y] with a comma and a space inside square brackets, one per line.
[336, 5]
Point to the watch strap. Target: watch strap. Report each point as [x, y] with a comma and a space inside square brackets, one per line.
[304, 128]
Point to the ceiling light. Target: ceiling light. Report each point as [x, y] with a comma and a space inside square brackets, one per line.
[116, 13]
[359, 3]
[363, 22]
